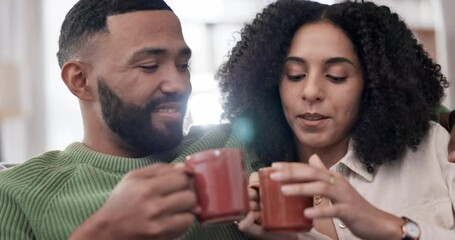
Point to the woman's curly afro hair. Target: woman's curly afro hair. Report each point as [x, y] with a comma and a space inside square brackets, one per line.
[403, 86]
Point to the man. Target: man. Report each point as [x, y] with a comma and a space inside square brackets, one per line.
[127, 63]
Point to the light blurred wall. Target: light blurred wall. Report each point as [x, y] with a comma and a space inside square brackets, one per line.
[51, 118]
[21, 44]
[445, 42]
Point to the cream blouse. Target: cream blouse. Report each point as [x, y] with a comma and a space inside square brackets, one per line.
[421, 187]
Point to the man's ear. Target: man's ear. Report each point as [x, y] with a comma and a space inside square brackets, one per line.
[75, 77]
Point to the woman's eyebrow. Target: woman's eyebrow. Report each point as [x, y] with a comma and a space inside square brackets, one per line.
[294, 59]
[338, 60]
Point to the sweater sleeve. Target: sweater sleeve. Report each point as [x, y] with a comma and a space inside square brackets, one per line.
[14, 223]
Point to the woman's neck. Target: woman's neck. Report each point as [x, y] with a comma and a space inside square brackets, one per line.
[329, 155]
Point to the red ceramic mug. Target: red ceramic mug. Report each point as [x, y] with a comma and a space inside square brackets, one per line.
[281, 213]
[220, 184]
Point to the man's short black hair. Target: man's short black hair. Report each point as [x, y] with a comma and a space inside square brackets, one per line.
[88, 17]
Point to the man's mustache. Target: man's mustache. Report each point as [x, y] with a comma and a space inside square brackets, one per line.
[168, 98]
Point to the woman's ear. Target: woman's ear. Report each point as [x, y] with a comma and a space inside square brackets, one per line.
[75, 77]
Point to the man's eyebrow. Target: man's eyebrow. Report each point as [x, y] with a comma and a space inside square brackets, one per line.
[186, 52]
[149, 52]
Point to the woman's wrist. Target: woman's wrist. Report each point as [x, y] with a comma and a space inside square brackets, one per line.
[388, 226]
[394, 228]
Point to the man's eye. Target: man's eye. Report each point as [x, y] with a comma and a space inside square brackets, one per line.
[183, 67]
[297, 77]
[336, 78]
[149, 68]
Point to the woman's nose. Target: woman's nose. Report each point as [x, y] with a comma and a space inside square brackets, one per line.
[312, 89]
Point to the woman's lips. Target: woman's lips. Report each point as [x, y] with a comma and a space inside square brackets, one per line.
[312, 119]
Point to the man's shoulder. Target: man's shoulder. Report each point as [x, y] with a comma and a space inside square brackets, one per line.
[237, 135]
[25, 174]
[212, 134]
[201, 130]
[205, 137]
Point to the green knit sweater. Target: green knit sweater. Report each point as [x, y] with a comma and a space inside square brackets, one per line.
[50, 195]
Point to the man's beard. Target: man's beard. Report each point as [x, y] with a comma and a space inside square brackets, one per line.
[133, 123]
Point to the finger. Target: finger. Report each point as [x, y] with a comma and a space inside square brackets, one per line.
[168, 183]
[255, 206]
[253, 194]
[316, 162]
[152, 170]
[185, 168]
[178, 202]
[249, 225]
[298, 172]
[253, 181]
[328, 211]
[332, 188]
[248, 220]
[307, 189]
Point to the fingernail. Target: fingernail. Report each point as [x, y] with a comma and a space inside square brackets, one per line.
[179, 165]
[287, 189]
[278, 165]
[276, 176]
[309, 212]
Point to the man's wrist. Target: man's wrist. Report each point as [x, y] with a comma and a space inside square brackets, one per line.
[91, 228]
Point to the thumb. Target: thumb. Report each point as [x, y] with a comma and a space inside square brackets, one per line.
[316, 162]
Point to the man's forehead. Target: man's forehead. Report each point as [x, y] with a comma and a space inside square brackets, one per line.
[145, 18]
[142, 34]
[159, 26]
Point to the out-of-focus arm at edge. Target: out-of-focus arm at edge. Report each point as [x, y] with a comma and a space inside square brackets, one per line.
[442, 114]
[429, 231]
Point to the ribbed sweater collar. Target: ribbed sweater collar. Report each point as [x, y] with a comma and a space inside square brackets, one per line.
[79, 152]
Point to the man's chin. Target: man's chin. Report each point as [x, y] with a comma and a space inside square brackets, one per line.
[160, 146]
[162, 141]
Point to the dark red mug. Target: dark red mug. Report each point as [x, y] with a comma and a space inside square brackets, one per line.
[280, 213]
[220, 184]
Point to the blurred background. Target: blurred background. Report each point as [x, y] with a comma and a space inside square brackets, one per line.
[38, 113]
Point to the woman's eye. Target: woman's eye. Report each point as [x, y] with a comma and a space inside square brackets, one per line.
[297, 77]
[336, 78]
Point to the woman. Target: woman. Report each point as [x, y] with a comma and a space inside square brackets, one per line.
[346, 93]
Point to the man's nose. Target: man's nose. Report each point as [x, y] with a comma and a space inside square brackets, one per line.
[174, 80]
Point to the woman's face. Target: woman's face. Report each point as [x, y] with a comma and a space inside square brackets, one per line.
[321, 86]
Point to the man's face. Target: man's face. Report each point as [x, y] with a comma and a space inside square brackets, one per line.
[140, 69]
[134, 124]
